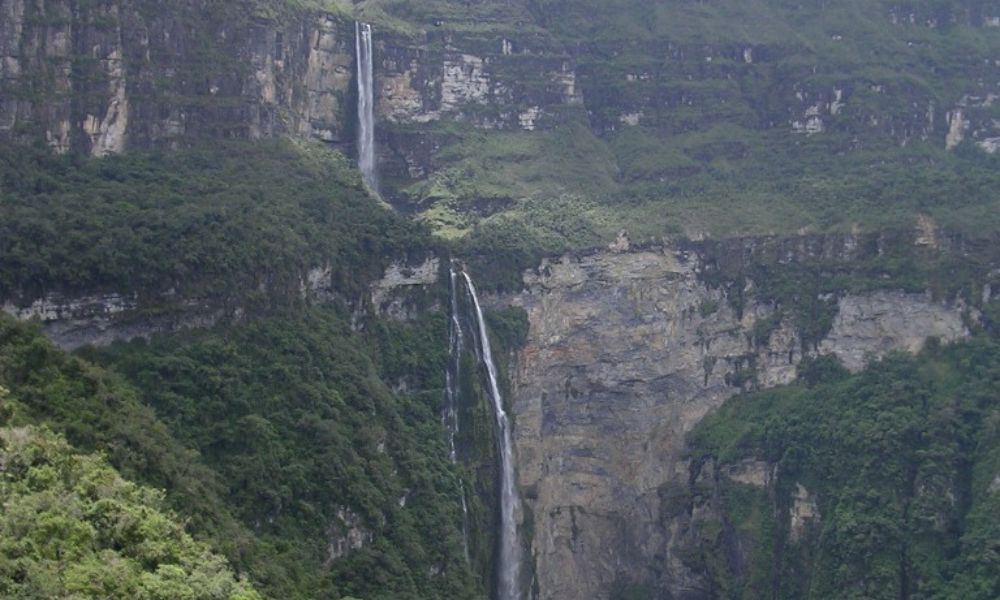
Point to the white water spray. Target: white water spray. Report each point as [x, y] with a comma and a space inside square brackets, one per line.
[366, 106]
[509, 563]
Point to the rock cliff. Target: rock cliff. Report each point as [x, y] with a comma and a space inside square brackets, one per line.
[108, 76]
[405, 290]
[627, 352]
[112, 75]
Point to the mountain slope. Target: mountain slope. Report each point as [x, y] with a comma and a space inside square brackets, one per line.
[284, 449]
[72, 527]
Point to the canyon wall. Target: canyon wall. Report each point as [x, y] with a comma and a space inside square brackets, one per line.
[108, 76]
[113, 75]
[627, 352]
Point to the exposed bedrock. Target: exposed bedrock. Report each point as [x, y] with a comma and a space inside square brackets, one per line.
[626, 353]
[405, 290]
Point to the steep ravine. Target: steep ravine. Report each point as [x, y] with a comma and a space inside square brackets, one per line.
[627, 352]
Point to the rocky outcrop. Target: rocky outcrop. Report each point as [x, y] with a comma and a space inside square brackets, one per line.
[491, 86]
[627, 351]
[521, 81]
[750, 472]
[72, 321]
[803, 512]
[393, 295]
[98, 320]
[873, 324]
[345, 535]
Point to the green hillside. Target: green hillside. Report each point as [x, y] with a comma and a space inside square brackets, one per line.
[74, 528]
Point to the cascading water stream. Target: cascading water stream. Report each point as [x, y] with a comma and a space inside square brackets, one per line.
[509, 564]
[366, 106]
[453, 377]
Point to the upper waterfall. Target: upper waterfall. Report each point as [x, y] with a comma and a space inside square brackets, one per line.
[366, 106]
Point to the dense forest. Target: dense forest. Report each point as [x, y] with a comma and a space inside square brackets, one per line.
[227, 424]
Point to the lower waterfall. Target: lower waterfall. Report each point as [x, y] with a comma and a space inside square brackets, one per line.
[453, 376]
[508, 559]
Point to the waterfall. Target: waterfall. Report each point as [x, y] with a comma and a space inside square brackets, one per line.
[508, 564]
[366, 106]
[456, 344]
[453, 377]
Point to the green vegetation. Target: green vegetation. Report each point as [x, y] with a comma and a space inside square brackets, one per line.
[902, 460]
[688, 124]
[508, 327]
[305, 446]
[521, 198]
[280, 438]
[213, 220]
[487, 173]
[72, 527]
[97, 411]
[776, 189]
[273, 488]
[294, 415]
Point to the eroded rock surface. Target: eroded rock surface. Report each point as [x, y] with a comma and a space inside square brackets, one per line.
[873, 324]
[627, 352]
[391, 296]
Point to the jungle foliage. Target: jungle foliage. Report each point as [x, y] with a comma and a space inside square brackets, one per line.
[295, 415]
[902, 462]
[203, 221]
[277, 442]
[72, 527]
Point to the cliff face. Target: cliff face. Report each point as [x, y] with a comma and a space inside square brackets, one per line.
[808, 69]
[627, 352]
[109, 76]
[513, 81]
[405, 290]
[114, 75]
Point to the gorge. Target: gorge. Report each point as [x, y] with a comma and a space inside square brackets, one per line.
[526, 299]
